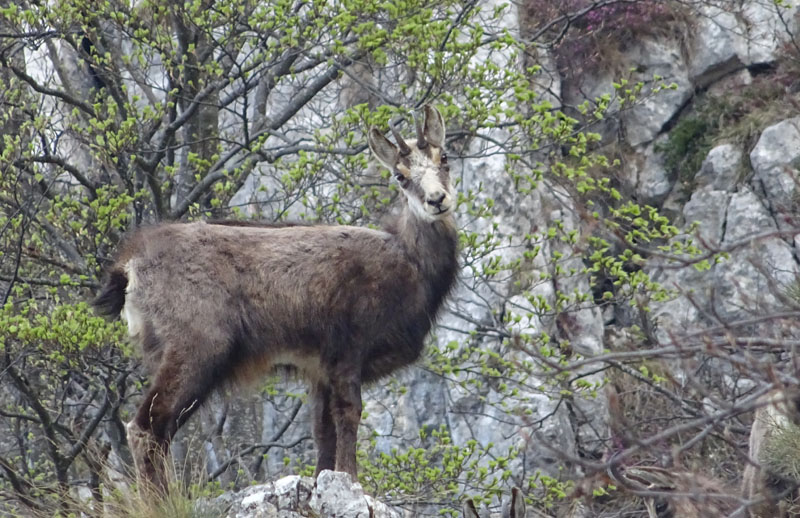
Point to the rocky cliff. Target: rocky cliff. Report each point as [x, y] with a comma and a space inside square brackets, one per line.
[729, 187]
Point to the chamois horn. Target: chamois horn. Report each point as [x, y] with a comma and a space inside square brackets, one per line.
[401, 144]
[419, 123]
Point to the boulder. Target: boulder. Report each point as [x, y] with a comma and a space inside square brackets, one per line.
[713, 51]
[333, 494]
[766, 27]
[653, 182]
[721, 169]
[708, 209]
[745, 285]
[775, 160]
[648, 117]
[728, 38]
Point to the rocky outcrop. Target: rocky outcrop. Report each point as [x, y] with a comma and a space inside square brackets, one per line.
[775, 160]
[648, 118]
[721, 169]
[727, 215]
[333, 494]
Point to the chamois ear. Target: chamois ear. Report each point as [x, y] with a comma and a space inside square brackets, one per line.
[468, 509]
[434, 126]
[384, 150]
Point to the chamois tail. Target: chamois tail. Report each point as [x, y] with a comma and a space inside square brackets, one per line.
[111, 299]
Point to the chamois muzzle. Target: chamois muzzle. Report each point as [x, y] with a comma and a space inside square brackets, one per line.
[435, 200]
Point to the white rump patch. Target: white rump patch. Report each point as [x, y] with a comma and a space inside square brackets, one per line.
[133, 280]
[130, 313]
[133, 317]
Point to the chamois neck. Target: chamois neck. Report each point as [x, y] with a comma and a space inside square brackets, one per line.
[432, 245]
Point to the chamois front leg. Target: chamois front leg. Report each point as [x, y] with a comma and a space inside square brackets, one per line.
[346, 411]
[323, 427]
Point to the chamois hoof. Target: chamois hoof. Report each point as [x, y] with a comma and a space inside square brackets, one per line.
[148, 459]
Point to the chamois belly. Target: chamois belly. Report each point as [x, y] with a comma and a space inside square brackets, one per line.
[385, 358]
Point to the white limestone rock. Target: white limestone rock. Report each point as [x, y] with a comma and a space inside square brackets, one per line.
[647, 171]
[766, 27]
[713, 52]
[721, 168]
[657, 58]
[708, 209]
[775, 160]
[744, 284]
[333, 494]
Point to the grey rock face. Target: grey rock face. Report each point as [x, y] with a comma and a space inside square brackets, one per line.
[729, 37]
[721, 168]
[714, 49]
[764, 25]
[708, 209]
[775, 160]
[643, 121]
[652, 180]
[663, 58]
[747, 283]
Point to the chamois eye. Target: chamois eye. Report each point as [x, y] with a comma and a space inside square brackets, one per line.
[401, 178]
[443, 158]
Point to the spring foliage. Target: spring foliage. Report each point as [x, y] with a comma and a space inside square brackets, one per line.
[118, 114]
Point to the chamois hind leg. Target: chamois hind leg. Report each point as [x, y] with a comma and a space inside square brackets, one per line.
[346, 410]
[181, 384]
[323, 427]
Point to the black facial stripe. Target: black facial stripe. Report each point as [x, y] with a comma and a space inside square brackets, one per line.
[402, 179]
[413, 188]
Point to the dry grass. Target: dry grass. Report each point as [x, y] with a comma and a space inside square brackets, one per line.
[189, 495]
[780, 454]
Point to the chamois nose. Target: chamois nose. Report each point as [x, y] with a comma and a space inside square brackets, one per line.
[436, 199]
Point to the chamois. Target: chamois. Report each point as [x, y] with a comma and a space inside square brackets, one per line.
[212, 304]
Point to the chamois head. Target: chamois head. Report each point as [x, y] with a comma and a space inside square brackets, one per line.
[421, 169]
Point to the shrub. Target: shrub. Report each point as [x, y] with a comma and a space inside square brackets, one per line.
[584, 41]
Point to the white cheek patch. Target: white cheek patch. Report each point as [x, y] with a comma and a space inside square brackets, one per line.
[418, 208]
[430, 183]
